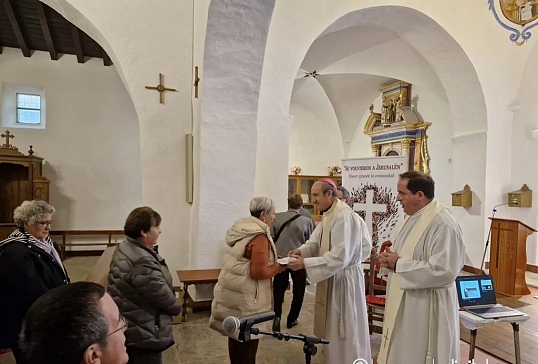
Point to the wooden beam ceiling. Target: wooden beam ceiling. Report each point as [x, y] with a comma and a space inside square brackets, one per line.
[16, 28]
[46, 30]
[106, 58]
[77, 44]
[31, 25]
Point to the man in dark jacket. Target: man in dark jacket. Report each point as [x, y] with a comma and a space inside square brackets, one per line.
[290, 231]
[141, 285]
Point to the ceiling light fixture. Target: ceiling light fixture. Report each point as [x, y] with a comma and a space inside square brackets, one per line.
[311, 74]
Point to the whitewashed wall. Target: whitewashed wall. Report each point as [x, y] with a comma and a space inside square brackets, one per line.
[91, 142]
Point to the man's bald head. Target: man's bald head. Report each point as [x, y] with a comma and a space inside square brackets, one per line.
[323, 195]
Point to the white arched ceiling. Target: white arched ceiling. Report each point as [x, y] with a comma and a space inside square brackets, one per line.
[331, 47]
[410, 48]
[351, 95]
[427, 40]
[315, 129]
[310, 94]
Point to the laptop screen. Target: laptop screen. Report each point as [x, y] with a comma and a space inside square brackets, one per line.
[475, 290]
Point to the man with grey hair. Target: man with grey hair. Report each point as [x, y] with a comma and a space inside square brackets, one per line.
[332, 258]
[290, 231]
[343, 194]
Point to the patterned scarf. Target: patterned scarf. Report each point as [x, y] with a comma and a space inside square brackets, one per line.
[45, 244]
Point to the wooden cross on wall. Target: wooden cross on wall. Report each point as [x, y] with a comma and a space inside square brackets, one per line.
[8, 136]
[160, 87]
[196, 82]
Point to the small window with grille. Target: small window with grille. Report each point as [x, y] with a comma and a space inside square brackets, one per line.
[23, 106]
[28, 109]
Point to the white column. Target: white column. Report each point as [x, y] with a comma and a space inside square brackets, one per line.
[233, 60]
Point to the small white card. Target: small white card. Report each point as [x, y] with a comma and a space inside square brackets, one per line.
[285, 260]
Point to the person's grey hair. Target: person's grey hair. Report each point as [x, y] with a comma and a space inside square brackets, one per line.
[30, 212]
[259, 204]
[345, 193]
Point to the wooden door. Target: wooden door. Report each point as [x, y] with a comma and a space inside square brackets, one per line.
[15, 187]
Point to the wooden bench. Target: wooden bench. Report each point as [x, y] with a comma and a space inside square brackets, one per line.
[194, 277]
[99, 273]
[94, 233]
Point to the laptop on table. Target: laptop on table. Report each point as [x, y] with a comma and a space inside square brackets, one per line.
[476, 295]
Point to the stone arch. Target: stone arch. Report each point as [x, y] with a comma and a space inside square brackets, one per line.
[425, 30]
[438, 48]
[115, 25]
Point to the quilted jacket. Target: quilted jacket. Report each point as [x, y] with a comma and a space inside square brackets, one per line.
[236, 293]
[141, 285]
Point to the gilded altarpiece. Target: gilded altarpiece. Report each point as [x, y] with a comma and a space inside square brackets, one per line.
[397, 129]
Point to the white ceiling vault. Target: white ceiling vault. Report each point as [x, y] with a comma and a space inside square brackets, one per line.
[364, 51]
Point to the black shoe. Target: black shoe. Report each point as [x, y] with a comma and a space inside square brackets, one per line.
[276, 324]
[289, 325]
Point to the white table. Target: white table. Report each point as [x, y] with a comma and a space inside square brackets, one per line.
[474, 322]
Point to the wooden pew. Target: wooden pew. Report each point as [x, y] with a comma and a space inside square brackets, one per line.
[93, 233]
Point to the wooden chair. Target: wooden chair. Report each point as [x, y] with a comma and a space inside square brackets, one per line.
[377, 290]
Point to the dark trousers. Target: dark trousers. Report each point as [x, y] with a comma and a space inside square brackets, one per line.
[141, 356]
[280, 284]
[242, 352]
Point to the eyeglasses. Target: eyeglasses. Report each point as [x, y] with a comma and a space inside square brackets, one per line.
[45, 223]
[123, 326]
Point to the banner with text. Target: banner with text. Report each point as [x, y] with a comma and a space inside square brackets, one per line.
[372, 185]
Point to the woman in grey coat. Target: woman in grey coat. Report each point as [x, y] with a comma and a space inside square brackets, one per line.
[141, 285]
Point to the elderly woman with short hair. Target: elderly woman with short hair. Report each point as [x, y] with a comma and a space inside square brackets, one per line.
[141, 285]
[244, 286]
[30, 265]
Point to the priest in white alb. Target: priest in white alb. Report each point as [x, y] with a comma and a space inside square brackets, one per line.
[421, 314]
[332, 258]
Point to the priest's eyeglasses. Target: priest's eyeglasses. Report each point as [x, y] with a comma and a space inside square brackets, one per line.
[123, 326]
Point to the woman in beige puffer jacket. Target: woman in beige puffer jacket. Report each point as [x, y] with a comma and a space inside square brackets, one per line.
[244, 286]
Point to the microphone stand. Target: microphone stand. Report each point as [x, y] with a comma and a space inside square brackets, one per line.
[489, 235]
[309, 347]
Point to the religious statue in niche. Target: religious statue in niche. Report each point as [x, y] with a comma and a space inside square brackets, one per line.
[391, 111]
[397, 129]
[388, 114]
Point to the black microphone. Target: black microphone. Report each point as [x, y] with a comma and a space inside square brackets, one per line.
[489, 234]
[231, 324]
[502, 204]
